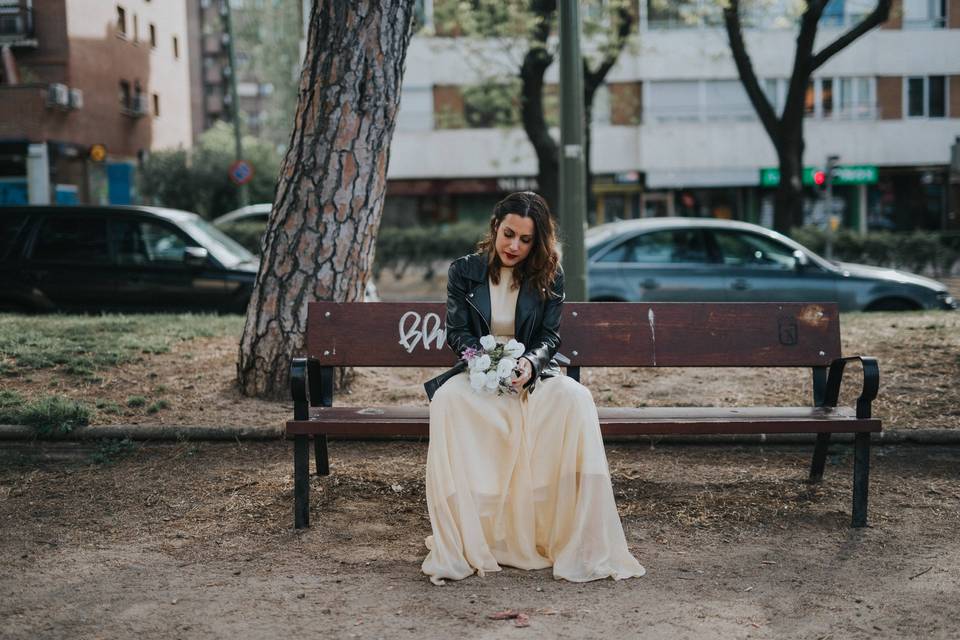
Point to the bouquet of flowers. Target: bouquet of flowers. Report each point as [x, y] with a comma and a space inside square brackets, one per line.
[493, 366]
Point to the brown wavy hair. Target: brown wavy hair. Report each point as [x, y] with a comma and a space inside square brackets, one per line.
[541, 265]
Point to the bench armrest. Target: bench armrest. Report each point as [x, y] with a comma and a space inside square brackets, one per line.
[307, 386]
[298, 388]
[871, 383]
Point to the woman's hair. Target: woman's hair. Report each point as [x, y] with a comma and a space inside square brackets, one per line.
[541, 264]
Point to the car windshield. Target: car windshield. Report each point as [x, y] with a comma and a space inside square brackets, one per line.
[225, 249]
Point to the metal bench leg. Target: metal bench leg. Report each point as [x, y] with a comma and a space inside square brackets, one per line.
[301, 482]
[819, 457]
[320, 453]
[861, 478]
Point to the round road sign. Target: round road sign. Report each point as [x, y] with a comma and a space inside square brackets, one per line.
[241, 172]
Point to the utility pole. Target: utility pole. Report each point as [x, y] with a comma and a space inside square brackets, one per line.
[234, 100]
[573, 176]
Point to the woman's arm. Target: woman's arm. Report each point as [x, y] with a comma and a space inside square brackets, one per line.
[547, 340]
[459, 336]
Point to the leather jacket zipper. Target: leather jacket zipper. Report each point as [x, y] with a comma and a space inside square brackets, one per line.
[482, 319]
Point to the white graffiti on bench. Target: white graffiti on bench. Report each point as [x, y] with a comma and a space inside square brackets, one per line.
[428, 330]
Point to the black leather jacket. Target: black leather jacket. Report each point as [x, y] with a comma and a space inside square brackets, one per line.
[537, 321]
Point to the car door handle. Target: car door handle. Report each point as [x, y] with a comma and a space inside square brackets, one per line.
[740, 285]
[649, 283]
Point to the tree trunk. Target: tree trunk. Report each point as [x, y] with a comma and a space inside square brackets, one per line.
[319, 243]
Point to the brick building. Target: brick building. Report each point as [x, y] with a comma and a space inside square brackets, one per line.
[83, 75]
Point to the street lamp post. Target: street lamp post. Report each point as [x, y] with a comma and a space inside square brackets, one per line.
[234, 100]
[573, 176]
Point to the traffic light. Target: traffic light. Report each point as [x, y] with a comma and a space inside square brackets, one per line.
[820, 178]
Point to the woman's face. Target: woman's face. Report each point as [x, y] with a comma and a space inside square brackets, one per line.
[514, 239]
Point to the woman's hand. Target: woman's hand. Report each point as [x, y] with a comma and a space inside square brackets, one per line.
[525, 370]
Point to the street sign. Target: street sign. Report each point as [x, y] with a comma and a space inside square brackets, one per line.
[241, 172]
[842, 174]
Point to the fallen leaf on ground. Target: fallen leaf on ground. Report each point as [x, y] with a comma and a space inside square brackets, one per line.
[523, 620]
[504, 615]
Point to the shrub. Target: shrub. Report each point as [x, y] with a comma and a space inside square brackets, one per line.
[917, 251]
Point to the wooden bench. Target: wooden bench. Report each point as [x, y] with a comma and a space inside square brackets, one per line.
[601, 334]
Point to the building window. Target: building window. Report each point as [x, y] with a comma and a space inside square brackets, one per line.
[696, 101]
[926, 97]
[153, 36]
[416, 109]
[121, 21]
[124, 94]
[176, 47]
[156, 105]
[924, 14]
[835, 98]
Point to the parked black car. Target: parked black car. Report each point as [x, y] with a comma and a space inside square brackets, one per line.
[112, 258]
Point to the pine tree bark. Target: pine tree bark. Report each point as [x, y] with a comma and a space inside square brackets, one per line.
[319, 242]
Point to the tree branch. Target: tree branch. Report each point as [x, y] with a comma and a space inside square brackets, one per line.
[748, 77]
[877, 17]
[593, 79]
[535, 64]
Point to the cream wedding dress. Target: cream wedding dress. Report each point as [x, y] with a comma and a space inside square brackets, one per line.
[520, 480]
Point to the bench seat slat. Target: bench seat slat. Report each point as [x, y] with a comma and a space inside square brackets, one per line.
[414, 421]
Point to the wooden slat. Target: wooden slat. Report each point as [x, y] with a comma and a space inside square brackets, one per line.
[414, 421]
[412, 334]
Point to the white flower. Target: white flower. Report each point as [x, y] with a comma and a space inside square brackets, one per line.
[505, 367]
[514, 349]
[477, 380]
[481, 364]
[492, 381]
[488, 343]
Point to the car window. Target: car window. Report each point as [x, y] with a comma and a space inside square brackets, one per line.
[742, 249]
[661, 247]
[10, 226]
[146, 242]
[225, 249]
[72, 238]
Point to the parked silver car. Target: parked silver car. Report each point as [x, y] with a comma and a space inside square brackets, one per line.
[706, 260]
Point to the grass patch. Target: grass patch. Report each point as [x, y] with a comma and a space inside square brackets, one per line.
[158, 406]
[108, 406]
[135, 402]
[83, 345]
[47, 416]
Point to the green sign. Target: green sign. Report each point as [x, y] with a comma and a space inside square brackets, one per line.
[842, 174]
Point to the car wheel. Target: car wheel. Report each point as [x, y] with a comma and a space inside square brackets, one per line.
[893, 304]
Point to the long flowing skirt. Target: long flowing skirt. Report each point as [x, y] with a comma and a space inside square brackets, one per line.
[521, 481]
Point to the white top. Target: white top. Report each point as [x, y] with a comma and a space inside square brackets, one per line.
[503, 305]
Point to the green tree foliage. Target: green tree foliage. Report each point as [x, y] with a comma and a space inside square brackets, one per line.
[268, 35]
[197, 180]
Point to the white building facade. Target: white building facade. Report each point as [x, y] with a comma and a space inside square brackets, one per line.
[674, 133]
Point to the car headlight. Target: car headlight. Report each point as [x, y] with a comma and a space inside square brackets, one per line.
[946, 300]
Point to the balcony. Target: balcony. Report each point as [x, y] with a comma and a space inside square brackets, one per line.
[16, 24]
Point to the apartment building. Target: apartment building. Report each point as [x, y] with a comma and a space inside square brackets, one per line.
[674, 133]
[86, 89]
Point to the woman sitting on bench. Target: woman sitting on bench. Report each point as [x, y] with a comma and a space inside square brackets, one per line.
[517, 479]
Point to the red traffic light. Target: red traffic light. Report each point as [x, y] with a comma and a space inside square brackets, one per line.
[819, 178]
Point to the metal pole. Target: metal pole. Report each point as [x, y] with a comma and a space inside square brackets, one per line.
[234, 100]
[831, 163]
[573, 176]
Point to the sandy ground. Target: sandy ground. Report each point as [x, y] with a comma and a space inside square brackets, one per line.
[195, 541]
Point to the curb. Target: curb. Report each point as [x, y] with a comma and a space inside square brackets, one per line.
[263, 433]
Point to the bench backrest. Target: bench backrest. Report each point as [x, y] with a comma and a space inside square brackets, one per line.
[607, 334]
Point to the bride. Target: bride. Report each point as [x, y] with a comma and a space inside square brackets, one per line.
[517, 479]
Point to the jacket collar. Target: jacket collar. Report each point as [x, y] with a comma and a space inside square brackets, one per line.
[527, 301]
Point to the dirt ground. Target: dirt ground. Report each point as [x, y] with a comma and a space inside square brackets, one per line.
[195, 541]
